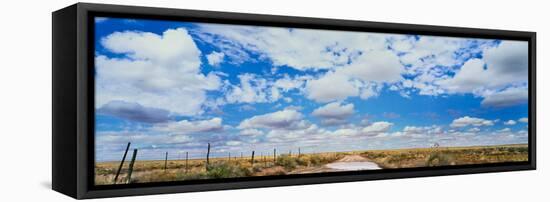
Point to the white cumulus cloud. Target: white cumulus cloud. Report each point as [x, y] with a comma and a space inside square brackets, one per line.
[301, 49]
[524, 120]
[363, 77]
[510, 122]
[470, 121]
[215, 58]
[375, 66]
[189, 127]
[507, 97]
[334, 110]
[334, 113]
[502, 66]
[376, 128]
[158, 71]
[251, 132]
[331, 87]
[284, 119]
[251, 89]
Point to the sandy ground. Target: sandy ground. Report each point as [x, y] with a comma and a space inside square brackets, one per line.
[347, 163]
[353, 158]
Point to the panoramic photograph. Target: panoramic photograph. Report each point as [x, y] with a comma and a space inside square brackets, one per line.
[182, 101]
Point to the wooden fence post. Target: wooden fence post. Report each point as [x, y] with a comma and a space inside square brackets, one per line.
[208, 157]
[121, 163]
[131, 168]
[299, 152]
[252, 160]
[186, 162]
[165, 161]
[274, 156]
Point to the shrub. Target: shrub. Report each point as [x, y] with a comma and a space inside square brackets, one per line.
[256, 169]
[190, 176]
[439, 159]
[225, 170]
[315, 160]
[104, 171]
[287, 162]
[301, 161]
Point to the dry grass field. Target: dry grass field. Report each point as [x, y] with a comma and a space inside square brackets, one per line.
[426, 157]
[179, 170]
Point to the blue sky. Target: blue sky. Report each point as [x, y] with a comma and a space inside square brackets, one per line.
[175, 86]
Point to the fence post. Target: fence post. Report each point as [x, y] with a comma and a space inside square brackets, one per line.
[121, 163]
[274, 156]
[289, 153]
[186, 162]
[299, 152]
[131, 168]
[165, 161]
[252, 160]
[208, 157]
[229, 158]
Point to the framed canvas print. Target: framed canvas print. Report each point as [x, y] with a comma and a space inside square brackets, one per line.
[154, 100]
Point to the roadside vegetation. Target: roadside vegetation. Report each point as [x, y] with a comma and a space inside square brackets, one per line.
[195, 169]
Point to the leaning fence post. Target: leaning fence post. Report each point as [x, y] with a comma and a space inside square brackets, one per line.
[131, 168]
[121, 163]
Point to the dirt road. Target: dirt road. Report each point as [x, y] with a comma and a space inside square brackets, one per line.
[352, 158]
[347, 163]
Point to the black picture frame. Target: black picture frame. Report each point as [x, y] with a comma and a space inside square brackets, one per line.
[73, 100]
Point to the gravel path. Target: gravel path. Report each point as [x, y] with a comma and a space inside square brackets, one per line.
[347, 163]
